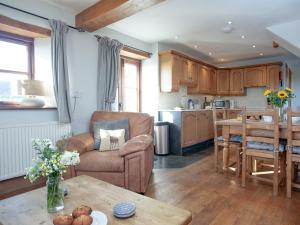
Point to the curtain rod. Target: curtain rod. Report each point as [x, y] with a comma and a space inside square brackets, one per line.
[78, 29]
[127, 46]
[32, 14]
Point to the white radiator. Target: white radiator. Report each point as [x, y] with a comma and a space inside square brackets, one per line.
[16, 151]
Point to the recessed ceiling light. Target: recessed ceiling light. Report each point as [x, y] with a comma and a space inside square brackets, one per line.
[210, 53]
[176, 37]
[229, 22]
[253, 46]
[243, 36]
[195, 46]
[261, 54]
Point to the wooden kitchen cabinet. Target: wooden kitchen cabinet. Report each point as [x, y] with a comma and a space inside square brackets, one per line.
[204, 79]
[201, 126]
[213, 82]
[273, 72]
[255, 76]
[205, 130]
[192, 75]
[183, 67]
[203, 82]
[189, 129]
[237, 82]
[170, 72]
[223, 82]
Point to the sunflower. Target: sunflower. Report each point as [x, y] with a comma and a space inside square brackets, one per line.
[267, 92]
[282, 94]
[288, 89]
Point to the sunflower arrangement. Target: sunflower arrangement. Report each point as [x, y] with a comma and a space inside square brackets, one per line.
[279, 98]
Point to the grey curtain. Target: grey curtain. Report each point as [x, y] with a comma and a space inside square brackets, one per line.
[108, 72]
[60, 70]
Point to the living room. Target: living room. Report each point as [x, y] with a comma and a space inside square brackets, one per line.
[154, 110]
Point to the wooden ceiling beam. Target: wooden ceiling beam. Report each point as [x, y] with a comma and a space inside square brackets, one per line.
[24, 29]
[106, 12]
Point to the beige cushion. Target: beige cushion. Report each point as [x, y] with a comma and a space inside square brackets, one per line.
[111, 139]
[96, 161]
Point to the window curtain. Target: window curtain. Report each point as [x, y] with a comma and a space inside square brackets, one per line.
[108, 72]
[60, 70]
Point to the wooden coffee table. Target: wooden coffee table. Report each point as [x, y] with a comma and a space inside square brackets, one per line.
[30, 208]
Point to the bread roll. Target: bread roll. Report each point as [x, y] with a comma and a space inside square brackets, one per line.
[82, 210]
[83, 220]
[63, 220]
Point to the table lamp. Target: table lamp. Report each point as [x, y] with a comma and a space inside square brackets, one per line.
[31, 89]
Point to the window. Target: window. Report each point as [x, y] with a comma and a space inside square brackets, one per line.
[16, 63]
[129, 86]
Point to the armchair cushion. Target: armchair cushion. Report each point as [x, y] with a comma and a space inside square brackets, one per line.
[95, 161]
[81, 143]
[109, 125]
[136, 144]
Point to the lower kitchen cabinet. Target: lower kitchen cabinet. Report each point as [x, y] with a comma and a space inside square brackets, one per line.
[188, 128]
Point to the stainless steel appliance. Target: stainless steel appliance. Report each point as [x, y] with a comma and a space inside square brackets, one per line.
[161, 138]
[221, 104]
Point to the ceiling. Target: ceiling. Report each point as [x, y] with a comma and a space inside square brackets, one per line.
[73, 6]
[198, 24]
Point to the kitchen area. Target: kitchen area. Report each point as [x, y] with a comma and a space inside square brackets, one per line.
[194, 87]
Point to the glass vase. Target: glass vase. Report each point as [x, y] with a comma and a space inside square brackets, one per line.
[281, 114]
[55, 194]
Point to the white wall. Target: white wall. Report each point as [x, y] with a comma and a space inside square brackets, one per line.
[82, 63]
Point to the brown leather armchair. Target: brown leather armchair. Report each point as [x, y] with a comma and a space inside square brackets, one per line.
[129, 167]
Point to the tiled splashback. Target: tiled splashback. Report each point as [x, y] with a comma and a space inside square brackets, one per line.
[254, 98]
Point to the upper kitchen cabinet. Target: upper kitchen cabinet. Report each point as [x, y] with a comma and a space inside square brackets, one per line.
[175, 70]
[273, 76]
[237, 82]
[213, 81]
[255, 76]
[192, 75]
[183, 66]
[203, 82]
[223, 82]
[170, 72]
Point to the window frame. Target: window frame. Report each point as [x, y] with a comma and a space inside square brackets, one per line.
[120, 84]
[21, 40]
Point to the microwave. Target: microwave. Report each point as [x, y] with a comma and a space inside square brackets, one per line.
[221, 104]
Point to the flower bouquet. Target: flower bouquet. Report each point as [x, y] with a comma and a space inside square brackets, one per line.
[279, 98]
[52, 162]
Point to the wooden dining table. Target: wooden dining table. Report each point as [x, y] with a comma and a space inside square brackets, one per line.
[234, 127]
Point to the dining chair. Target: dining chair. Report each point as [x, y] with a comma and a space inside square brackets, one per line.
[293, 149]
[261, 142]
[235, 142]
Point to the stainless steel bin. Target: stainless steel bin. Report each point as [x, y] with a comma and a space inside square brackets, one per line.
[161, 138]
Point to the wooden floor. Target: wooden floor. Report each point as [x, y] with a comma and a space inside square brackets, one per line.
[214, 198]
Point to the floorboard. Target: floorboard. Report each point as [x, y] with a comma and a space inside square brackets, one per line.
[213, 198]
[218, 199]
